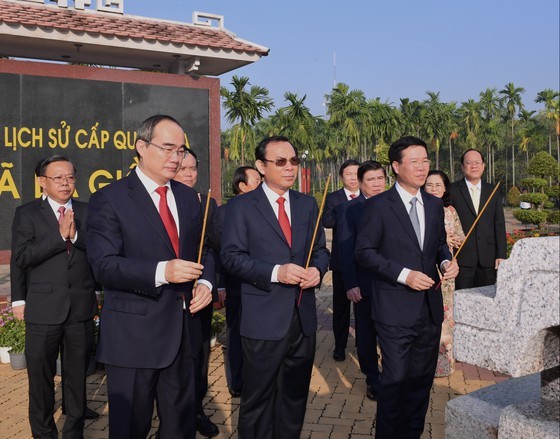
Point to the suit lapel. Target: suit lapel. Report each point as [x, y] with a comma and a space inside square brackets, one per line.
[299, 231]
[467, 197]
[429, 218]
[142, 199]
[49, 215]
[401, 213]
[263, 206]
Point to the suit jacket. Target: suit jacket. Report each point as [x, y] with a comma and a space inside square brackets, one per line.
[53, 283]
[231, 283]
[347, 222]
[387, 243]
[126, 241]
[253, 243]
[488, 240]
[333, 200]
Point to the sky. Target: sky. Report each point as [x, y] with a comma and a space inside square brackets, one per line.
[388, 49]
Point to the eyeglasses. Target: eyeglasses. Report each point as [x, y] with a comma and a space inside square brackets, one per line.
[181, 152]
[472, 163]
[436, 185]
[294, 161]
[59, 179]
[419, 163]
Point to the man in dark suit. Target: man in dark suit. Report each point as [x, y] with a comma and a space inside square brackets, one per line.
[188, 174]
[265, 242]
[402, 240]
[144, 232]
[18, 287]
[245, 179]
[58, 299]
[357, 280]
[486, 247]
[341, 305]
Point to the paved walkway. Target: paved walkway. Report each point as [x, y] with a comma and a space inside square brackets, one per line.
[337, 406]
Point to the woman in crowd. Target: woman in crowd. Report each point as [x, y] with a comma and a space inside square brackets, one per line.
[437, 184]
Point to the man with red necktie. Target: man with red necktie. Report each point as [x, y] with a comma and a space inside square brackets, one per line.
[266, 238]
[144, 232]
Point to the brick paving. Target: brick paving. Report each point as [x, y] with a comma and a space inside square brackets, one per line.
[337, 407]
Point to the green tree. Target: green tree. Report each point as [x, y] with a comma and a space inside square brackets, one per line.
[551, 100]
[411, 116]
[245, 109]
[543, 165]
[490, 135]
[528, 131]
[513, 103]
[470, 116]
[433, 122]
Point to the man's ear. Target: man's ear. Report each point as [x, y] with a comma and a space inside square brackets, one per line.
[260, 166]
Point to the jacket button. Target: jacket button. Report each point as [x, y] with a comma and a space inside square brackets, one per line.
[69, 285]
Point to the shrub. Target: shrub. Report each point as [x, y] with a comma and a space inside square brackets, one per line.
[218, 322]
[12, 331]
[530, 216]
[512, 197]
[553, 217]
[535, 198]
[535, 183]
[552, 191]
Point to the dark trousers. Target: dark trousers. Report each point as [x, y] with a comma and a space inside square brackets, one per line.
[472, 277]
[366, 342]
[409, 357]
[203, 358]
[42, 344]
[341, 313]
[132, 393]
[234, 351]
[276, 377]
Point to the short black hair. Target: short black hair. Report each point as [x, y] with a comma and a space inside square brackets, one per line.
[240, 176]
[369, 165]
[446, 198]
[469, 150]
[350, 162]
[41, 166]
[146, 130]
[191, 152]
[399, 145]
[260, 150]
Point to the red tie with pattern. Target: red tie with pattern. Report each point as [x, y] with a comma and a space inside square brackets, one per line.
[352, 196]
[61, 211]
[167, 218]
[284, 221]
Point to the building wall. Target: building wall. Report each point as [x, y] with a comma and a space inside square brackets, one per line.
[91, 115]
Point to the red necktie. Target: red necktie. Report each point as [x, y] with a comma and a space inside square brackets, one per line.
[352, 196]
[284, 221]
[167, 218]
[61, 211]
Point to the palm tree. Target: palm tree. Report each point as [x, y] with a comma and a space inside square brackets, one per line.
[490, 107]
[411, 116]
[470, 115]
[346, 111]
[527, 124]
[434, 124]
[246, 108]
[551, 100]
[383, 123]
[512, 96]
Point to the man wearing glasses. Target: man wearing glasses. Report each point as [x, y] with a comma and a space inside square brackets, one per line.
[266, 239]
[486, 247]
[144, 232]
[57, 300]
